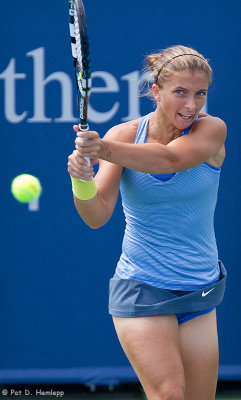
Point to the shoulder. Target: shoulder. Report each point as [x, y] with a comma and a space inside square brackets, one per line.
[211, 120]
[211, 125]
[125, 132]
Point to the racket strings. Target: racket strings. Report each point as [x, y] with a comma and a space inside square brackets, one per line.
[81, 44]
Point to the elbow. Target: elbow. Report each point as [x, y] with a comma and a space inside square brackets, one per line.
[167, 164]
[94, 215]
[174, 166]
[96, 225]
[172, 162]
[97, 222]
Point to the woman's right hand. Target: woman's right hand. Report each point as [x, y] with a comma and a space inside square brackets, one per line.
[78, 167]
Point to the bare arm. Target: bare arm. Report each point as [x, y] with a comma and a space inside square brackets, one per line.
[97, 211]
[205, 139]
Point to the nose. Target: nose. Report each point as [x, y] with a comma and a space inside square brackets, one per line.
[190, 104]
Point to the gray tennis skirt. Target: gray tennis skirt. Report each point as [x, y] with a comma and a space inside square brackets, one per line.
[133, 298]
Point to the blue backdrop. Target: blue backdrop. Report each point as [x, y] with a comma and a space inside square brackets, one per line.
[54, 272]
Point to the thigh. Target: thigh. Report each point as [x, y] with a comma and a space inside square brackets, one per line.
[199, 351]
[152, 347]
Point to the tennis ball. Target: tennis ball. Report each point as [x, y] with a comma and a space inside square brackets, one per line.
[26, 188]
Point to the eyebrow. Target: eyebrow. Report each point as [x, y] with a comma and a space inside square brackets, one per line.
[182, 88]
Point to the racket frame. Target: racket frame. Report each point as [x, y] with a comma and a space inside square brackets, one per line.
[81, 61]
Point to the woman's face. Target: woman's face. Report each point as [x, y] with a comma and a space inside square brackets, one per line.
[182, 97]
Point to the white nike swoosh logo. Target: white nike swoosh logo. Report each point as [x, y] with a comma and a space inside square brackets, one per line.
[205, 293]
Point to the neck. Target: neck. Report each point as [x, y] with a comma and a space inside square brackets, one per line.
[162, 130]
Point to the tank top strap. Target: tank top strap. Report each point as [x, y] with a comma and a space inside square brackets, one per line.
[186, 131]
[142, 129]
[143, 125]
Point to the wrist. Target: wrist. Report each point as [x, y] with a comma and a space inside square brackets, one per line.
[83, 190]
[105, 152]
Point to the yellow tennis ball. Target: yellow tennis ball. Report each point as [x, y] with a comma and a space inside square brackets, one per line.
[26, 188]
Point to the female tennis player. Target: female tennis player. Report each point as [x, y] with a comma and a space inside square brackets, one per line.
[168, 280]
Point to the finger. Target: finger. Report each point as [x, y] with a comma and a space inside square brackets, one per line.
[76, 159]
[76, 156]
[76, 173]
[76, 128]
[85, 152]
[87, 175]
[88, 147]
[73, 172]
[81, 141]
[81, 160]
[87, 134]
[80, 166]
[75, 165]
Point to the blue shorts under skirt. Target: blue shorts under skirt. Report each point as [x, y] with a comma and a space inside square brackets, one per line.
[133, 298]
[184, 317]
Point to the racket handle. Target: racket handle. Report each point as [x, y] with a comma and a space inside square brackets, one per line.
[84, 128]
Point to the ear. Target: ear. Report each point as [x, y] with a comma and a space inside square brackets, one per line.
[156, 92]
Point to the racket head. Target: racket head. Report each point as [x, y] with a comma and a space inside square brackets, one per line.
[81, 58]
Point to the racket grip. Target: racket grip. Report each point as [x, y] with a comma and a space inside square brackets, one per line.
[83, 128]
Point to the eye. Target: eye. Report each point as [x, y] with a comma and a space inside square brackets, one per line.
[201, 93]
[179, 91]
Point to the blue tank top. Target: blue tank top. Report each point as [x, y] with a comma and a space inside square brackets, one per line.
[169, 240]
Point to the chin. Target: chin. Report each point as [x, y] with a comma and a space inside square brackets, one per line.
[181, 123]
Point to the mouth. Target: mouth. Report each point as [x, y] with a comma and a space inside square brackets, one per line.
[186, 117]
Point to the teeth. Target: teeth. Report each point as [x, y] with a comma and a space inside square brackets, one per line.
[185, 116]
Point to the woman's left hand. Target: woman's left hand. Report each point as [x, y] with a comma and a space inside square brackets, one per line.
[88, 143]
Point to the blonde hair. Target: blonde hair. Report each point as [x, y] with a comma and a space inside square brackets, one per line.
[175, 59]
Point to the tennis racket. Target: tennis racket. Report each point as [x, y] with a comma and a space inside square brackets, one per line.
[81, 58]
